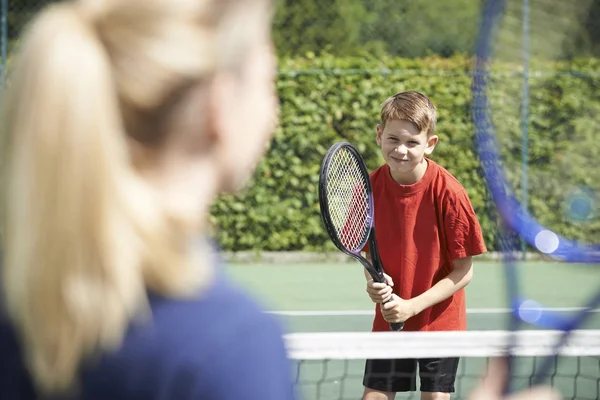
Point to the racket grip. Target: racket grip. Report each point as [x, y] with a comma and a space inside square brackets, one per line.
[396, 326]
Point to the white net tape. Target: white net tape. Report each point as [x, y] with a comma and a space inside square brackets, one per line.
[331, 365]
[352, 345]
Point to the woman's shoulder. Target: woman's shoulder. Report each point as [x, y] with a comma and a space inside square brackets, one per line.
[199, 341]
[221, 307]
[183, 348]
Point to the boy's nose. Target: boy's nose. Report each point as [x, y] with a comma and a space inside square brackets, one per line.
[401, 149]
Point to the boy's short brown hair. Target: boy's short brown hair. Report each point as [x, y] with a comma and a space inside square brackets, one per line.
[410, 106]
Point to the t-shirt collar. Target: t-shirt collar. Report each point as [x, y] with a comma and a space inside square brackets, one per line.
[407, 190]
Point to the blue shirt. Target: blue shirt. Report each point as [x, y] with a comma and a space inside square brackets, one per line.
[217, 346]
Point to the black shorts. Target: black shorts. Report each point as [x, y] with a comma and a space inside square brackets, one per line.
[436, 375]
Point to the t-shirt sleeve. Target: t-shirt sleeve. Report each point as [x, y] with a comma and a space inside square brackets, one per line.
[463, 231]
[251, 364]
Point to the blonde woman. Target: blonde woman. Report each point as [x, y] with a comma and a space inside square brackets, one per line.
[123, 120]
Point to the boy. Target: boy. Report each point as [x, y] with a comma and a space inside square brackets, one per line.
[427, 233]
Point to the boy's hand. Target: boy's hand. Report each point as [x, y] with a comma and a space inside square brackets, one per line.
[398, 310]
[380, 292]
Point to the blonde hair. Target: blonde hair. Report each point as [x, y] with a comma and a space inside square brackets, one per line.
[410, 106]
[83, 235]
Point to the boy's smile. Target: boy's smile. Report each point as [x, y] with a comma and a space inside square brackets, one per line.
[404, 148]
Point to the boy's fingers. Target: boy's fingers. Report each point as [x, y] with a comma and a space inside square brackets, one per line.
[388, 306]
[385, 299]
[388, 279]
[377, 285]
[380, 296]
[375, 293]
[379, 299]
[376, 290]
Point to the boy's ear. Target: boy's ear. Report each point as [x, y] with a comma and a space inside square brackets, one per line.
[379, 134]
[431, 142]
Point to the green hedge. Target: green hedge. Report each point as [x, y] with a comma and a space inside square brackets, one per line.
[327, 99]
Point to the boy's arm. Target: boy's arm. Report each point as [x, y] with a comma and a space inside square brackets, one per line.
[460, 277]
[465, 239]
[399, 310]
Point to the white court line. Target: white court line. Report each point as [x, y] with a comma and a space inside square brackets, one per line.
[326, 313]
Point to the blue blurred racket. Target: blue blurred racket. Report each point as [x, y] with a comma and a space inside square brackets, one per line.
[516, 220]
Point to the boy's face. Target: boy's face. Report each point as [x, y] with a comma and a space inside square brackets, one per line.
[403, 146]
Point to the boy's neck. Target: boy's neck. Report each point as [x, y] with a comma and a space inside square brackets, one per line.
[412, 177]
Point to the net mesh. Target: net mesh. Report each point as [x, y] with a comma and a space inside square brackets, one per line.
[347, 199]
[330, 366]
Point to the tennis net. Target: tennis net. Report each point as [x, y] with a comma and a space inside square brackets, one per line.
[330, 365]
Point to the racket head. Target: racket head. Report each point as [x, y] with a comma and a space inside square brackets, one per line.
[492, 47]
[346, 202]
[346, 198]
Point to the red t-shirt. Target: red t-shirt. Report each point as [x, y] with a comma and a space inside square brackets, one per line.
[420, 229]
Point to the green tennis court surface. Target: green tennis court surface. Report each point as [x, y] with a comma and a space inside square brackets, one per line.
[331, 298]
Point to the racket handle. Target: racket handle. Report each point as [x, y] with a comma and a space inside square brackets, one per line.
[396, 326]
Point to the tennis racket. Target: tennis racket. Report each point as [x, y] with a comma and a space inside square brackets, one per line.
[518, 223]
[346, 201]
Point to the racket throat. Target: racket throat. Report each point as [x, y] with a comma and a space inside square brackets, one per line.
[375, 258]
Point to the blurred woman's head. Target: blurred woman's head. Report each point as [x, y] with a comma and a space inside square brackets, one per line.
[122, 121]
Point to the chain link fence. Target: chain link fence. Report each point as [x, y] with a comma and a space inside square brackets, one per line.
[383, 30]
[402, 28]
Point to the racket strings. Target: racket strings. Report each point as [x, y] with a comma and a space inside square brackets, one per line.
[348, 200]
